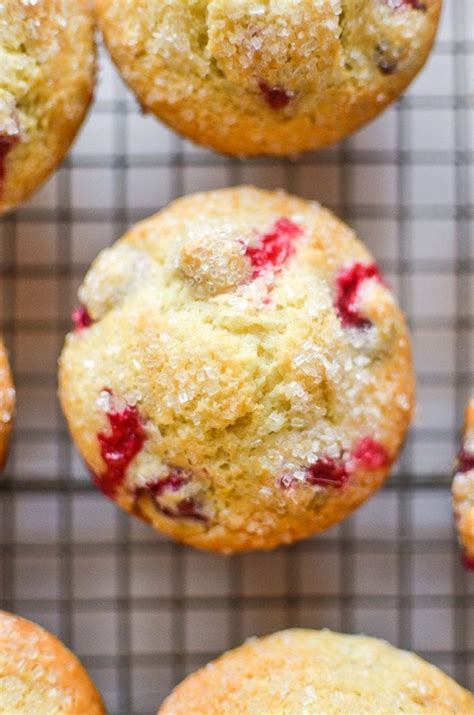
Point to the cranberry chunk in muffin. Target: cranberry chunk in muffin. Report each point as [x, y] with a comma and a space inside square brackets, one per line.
[463, 490]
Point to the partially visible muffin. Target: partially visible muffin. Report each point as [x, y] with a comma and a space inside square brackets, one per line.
[47, 66]
[318, 673]
[39, 675]
[463, 489]
[7, 404]
[240, 375]
[250, 77]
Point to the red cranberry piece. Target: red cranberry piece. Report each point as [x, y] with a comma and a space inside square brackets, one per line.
[467, 561]
[274, 248]
[327, 472]
[416, 5]
[185, 508]
[370, 454]
[173, 483]
[465, 461]
[407, 4]
[81, 318]
[119, 445]
[276, 97]
[348, 284]
[7, 142]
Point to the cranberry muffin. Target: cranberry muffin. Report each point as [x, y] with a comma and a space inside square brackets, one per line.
[47, 64]
[246, 77]
[240, 375]
[39, 675]
[315, 672]
[7, 404]
[463, 489]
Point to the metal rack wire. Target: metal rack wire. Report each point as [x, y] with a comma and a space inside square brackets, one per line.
[141, 611]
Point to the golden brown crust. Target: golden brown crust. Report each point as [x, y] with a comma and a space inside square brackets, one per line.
[238, 385]
[7, 404]
[47, 61]
[315, 672]
[39, 675]
[463, 488]
[208, 68]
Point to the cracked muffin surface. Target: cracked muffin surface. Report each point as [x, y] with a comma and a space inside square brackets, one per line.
[7, 404]
[253, 77]
[239, 376]
[314, 672]
[463, 489]
[39, 675]
[47, 65]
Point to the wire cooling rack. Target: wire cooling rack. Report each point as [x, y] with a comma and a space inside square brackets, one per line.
[141, 611]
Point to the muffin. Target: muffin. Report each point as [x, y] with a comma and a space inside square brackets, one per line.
[39, 675]
[47, 57]
[247, 77]
[463, 489]
[240, 376]
[7, 404]
[315, 672]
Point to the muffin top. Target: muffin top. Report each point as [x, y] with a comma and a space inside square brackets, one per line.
[39, 675]
[252, 77]
[242, 352]
[314, 672]
[7, 404]
[463, 489]
[46, 81]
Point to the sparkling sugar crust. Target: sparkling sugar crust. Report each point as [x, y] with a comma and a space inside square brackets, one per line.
[463, 490]
[39, 675]
[268, 76]
[7, 404]
[215, 390]
[307, 672]
[47, 57]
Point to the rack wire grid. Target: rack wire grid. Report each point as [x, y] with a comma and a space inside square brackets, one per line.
[141, 611]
